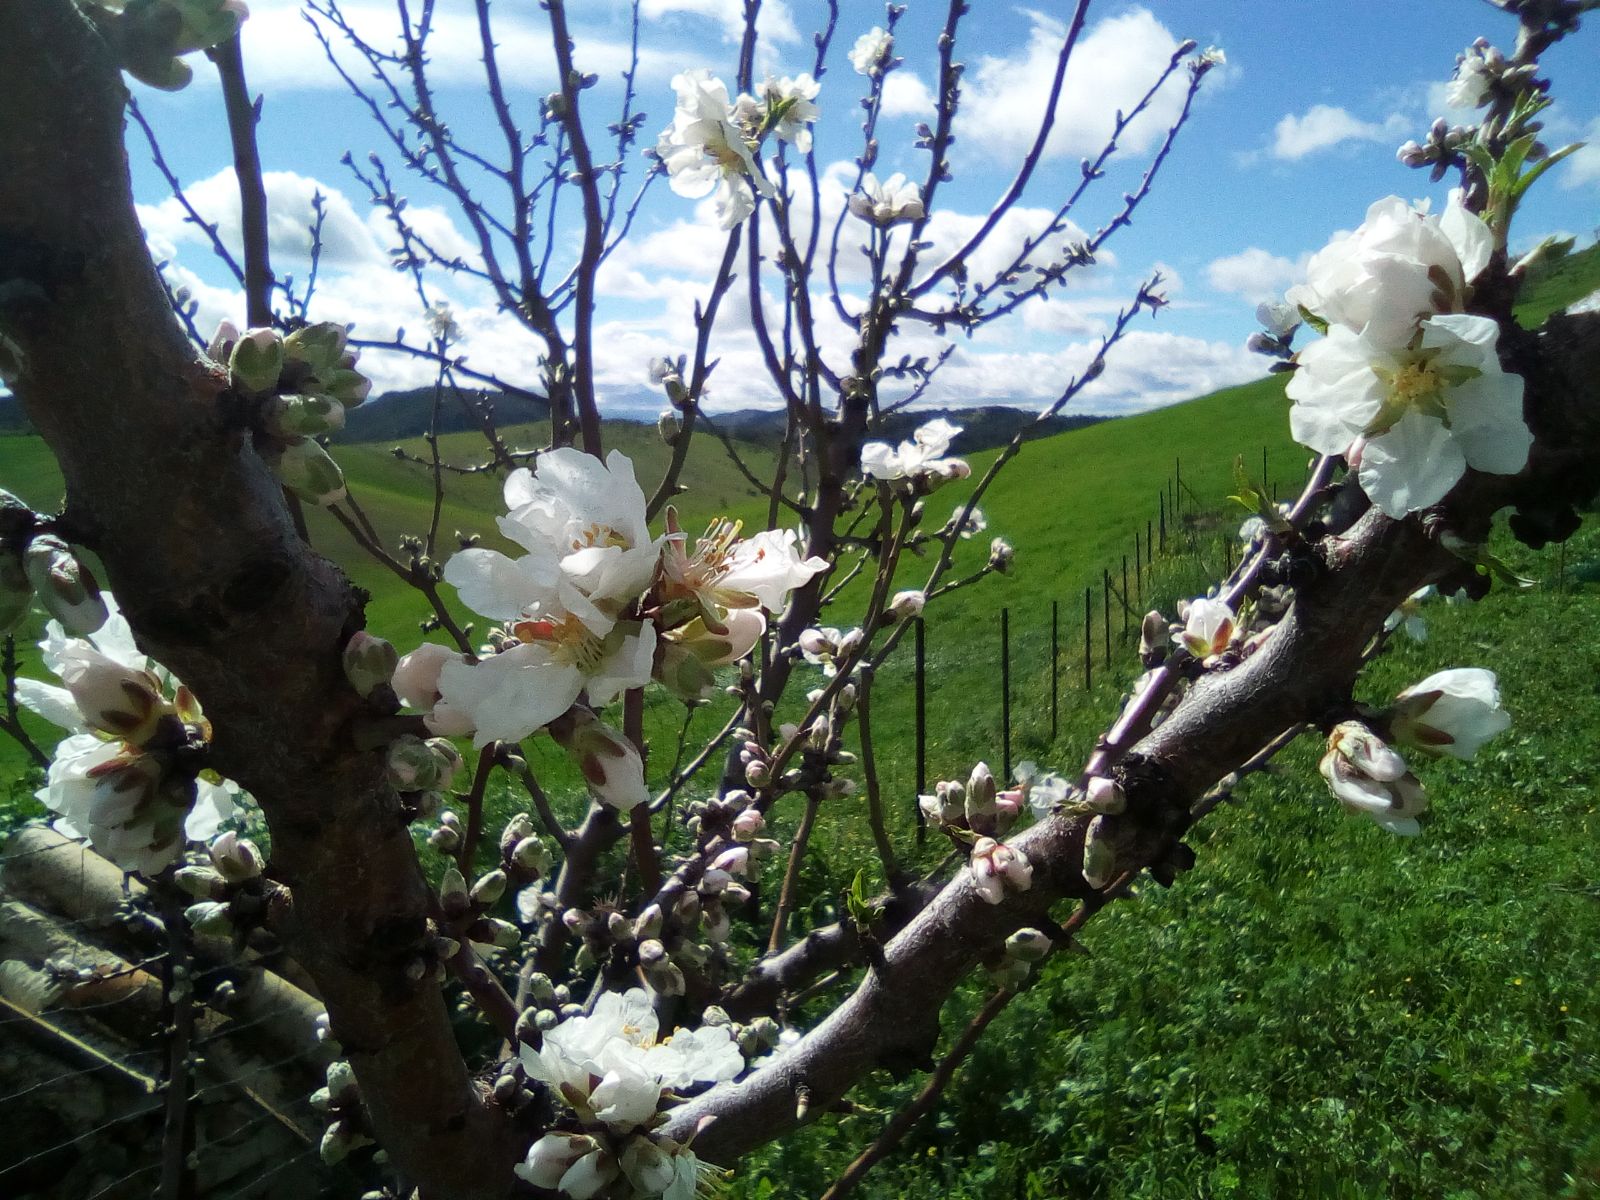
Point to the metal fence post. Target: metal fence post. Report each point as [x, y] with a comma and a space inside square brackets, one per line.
[922, 724]
[1005, 691]
[1088, 639]
[1055, 666]
[1105, 614]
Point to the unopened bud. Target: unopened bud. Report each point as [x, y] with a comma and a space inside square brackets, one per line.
[256, 361]
[64, 586]
[1099, 859]
[210, 917]
[1029, 945]
[532, 855]
[412, 764]
[489, 888]
[347, 387]
[305, 415]
[453, 894]
[237, 859]
[319, 347]
[202, 883]
[369, 662]
[907, 605]
[306, 470]
[1105, 795]
[448, 758]
[648, 923]
[670, 426]
[1154, 636]
[1001, 554]
[610, 764]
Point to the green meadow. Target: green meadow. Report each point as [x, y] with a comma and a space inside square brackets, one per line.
[1318, 1009]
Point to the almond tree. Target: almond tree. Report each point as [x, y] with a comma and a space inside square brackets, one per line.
[651, 1016]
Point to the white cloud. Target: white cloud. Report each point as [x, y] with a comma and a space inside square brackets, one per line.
[1113, 65]
[1583, 168]
[905, 95]
[1325, 125]
[1145, 370]
[347, 240]
[774, 23]
[282, 53]
[1255, 274]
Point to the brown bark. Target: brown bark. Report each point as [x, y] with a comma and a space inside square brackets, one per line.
[197, 543]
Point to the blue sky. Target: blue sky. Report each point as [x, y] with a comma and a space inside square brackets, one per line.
[1289, 142]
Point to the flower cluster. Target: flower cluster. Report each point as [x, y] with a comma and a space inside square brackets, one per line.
[712, 142]
[609, 1068]
[1405, 384]
[125, 776]
[1451, 712]
[595, 606]
[297, 387]
[922, 460]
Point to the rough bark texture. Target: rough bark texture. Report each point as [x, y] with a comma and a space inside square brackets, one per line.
[196, 541]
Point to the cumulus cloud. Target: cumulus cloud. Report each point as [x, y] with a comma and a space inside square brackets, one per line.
[1114, 63]
[1255, 274]
[905, 95]
[1323, 126]
[282, 53]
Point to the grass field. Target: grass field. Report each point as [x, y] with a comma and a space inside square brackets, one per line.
[1318, 1009]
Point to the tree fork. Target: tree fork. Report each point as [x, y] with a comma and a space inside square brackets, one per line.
[195, 538]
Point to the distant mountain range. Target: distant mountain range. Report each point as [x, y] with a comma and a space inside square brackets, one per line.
[395, 416]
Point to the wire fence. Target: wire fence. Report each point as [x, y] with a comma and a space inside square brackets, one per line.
[1185, 543]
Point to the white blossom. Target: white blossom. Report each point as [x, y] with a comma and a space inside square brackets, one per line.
[705, 148]
[441, 322]
[924, 453]
[871, 51]
[1416, 417]
[1450, 712]
[1402, 264]
[130, 805]
[791, 108]
[974, 524]
[730, 572]
[894, 200]
[611, 1060]
[590, 552]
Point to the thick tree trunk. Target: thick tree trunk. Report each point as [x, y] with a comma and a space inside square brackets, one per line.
[197, 544]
